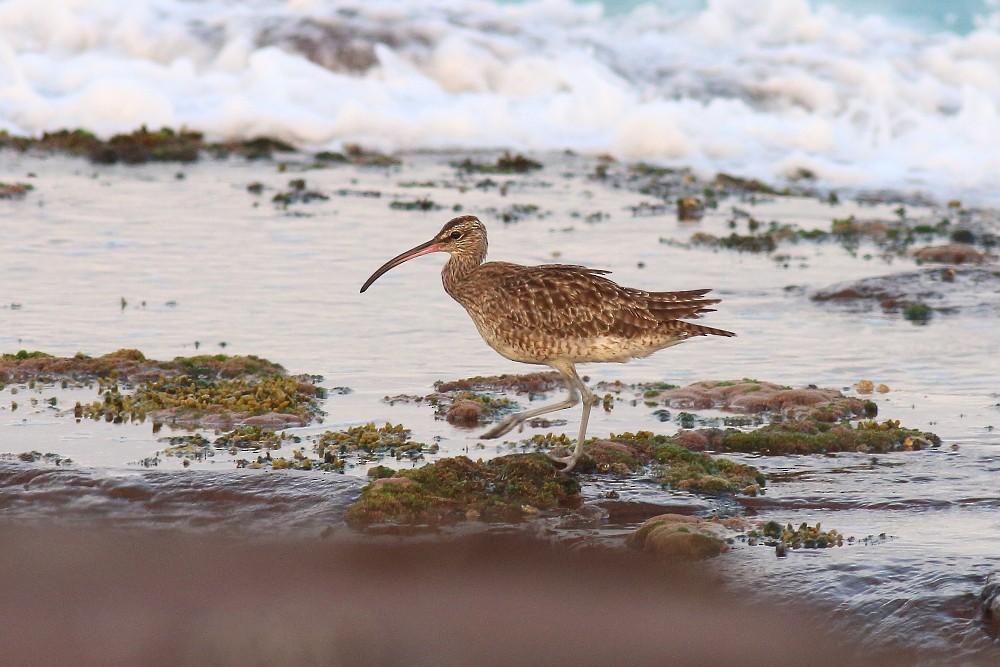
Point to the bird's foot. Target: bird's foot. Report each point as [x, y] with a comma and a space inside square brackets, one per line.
[503, 427]
[568, 461]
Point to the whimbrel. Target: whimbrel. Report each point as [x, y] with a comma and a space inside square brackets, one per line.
[558, 315]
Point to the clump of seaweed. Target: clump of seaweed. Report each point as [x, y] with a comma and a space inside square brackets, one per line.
[253, 437]
[183, 399]
[358, 155]
[764, 243]
[419, 204]
[298, 461]
[730, 182]
[918, 313]
[505, 164]
[506, 488]
[36, 456]
[518, 212]
[190, 447]
[15, 190]
[368, 440]
[773, 534]
[298, 193]
[142, 145]
[698, 472]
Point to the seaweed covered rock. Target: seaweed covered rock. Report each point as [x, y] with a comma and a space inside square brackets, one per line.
[129, 365]
[811, 436]
[674, 537]
[204, 390]
[507, 488]
[524, 383]
[754, 396]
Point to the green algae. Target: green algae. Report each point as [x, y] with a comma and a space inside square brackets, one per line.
[506, 488]
[918, 313]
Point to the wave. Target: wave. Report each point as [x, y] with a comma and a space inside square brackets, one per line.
[778, 89]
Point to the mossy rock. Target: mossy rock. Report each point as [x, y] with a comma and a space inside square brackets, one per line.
[676, 537]
[507, 488]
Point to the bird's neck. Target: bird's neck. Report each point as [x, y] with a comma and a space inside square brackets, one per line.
[457, 272]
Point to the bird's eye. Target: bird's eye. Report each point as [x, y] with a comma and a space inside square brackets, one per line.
[456, 235]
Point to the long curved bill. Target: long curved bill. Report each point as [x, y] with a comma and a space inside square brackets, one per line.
[423, 249]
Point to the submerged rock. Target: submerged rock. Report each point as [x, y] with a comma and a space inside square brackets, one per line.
[753, 396]
[943, 290]
[991, 604]
[952, 253]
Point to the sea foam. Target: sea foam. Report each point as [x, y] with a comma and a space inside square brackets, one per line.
[772, 89]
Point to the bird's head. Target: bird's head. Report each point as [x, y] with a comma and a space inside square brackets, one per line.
[464, 235]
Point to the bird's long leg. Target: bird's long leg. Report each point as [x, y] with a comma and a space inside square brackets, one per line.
[588, 402]
[572, 383]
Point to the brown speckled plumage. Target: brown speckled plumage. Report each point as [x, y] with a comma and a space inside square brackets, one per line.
[557, 314]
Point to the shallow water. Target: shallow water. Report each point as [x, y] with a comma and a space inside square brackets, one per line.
[199, 258]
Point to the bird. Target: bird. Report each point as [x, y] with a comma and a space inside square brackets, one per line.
[557, 315]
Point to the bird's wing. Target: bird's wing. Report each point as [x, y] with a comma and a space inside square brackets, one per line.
[563, 300]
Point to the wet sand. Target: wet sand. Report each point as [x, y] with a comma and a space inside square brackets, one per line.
[182, 260]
